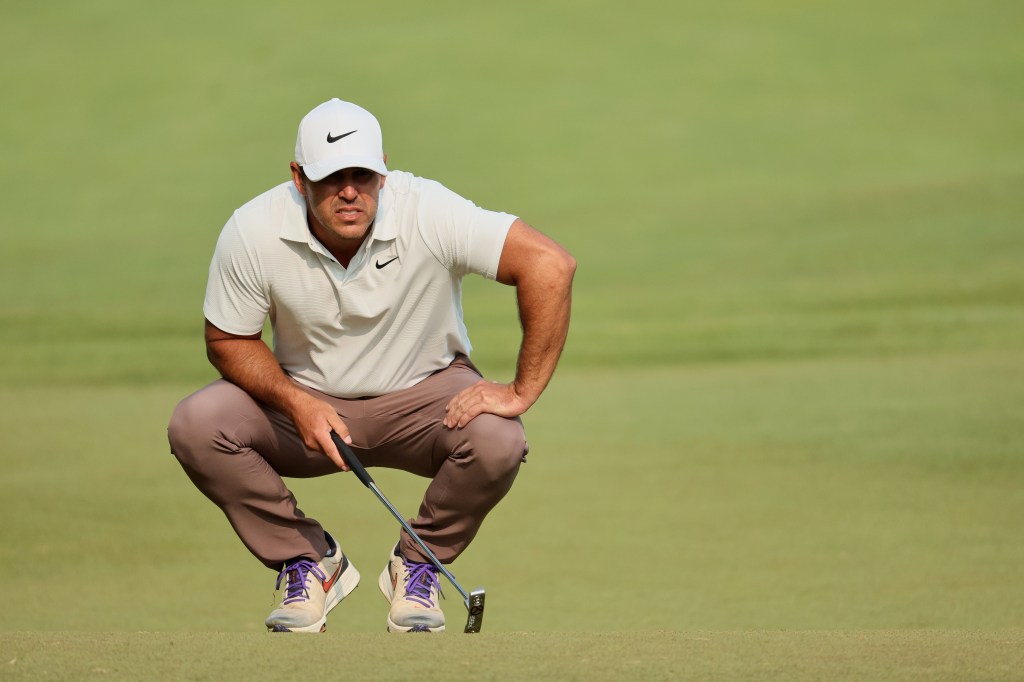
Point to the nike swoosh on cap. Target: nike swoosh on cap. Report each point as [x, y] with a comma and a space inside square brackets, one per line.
[332, 138]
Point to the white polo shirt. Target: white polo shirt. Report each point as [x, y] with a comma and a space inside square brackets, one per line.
[390, 319]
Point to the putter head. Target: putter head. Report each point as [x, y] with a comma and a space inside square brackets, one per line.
[475, 605]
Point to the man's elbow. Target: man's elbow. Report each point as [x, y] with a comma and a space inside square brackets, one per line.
[211, 354]
[562, 265]
[570, 265]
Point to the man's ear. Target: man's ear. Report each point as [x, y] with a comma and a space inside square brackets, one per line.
[298, 178]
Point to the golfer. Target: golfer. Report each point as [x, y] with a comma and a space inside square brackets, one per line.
[359, 269]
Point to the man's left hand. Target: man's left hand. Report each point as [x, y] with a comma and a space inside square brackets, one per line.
[481, 397]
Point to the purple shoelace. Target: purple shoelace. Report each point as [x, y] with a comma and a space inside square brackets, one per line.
[297, 574]
[422, 577]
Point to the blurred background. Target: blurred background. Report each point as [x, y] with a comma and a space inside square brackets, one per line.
[791, 396]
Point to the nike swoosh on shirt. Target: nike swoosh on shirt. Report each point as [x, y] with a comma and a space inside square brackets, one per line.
[381, 265]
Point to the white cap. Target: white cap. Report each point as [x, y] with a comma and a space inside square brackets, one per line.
[338, 135]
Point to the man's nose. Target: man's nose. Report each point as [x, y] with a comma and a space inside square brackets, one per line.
[348, 191]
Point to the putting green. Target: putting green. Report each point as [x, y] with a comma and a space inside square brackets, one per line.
[784, 440]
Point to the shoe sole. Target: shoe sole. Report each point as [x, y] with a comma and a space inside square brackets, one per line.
[347, 582]
[388, 590]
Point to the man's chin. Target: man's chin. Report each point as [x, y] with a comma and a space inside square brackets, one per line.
[350, 230]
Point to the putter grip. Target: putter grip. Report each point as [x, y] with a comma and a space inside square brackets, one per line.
[353, 462]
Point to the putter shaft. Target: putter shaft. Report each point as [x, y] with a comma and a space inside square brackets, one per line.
[426, 550]
[474, 602]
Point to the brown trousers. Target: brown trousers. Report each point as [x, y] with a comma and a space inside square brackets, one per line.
[236, 451]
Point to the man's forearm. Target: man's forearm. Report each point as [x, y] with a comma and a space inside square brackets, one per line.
[250, 364]
[542, 273]
[544, 307]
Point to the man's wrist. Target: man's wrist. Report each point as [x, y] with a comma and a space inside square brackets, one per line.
[290, 398]
[524, 393]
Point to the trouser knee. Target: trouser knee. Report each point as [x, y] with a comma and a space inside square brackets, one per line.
[197, 426]
[496, 445]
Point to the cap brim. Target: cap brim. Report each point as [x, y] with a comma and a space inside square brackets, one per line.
[320, 170]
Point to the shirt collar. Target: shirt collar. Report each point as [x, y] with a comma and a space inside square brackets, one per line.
[293, 221]
[384, 227]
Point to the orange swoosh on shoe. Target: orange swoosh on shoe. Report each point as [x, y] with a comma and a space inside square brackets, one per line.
[329, 583]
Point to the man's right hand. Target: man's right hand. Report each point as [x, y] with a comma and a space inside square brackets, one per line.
[248, 363]
[314, 419]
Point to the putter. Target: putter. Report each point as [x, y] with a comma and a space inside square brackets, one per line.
[474, 601]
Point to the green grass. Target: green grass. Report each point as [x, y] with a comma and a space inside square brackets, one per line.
[877, 655]
[784, 440]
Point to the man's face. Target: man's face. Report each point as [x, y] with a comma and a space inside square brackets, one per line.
[342, 206]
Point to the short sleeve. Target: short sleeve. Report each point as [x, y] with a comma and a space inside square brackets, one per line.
[236, 300]
[462, 236]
